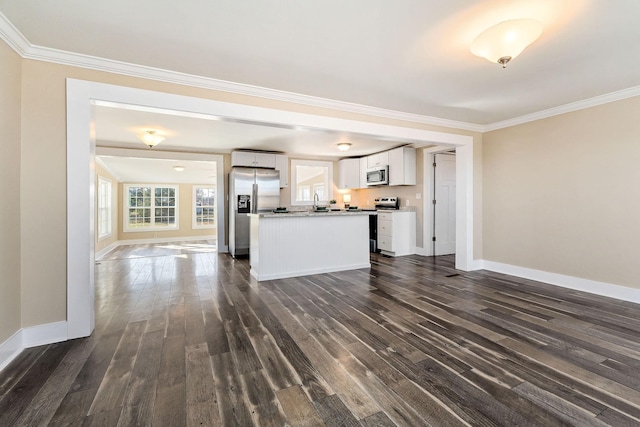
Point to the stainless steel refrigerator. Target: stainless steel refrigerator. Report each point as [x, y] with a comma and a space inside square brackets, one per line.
[250, 191]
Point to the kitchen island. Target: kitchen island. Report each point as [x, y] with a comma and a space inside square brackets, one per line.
[302, 243]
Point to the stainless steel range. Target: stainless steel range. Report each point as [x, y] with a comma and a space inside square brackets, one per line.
[387, 202]
[380, 203]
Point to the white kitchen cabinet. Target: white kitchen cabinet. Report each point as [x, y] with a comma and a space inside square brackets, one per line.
[282, 165]
[363, 171]
[348, 174]
[397, 232]
[402, 166]
[253, 159]
[378, 159]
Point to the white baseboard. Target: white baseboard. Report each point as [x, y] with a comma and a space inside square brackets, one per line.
[164, 240]
[591, 286]
[106, 250]
[44, 334]
[33, 336]
[10, 349]
[309, 272]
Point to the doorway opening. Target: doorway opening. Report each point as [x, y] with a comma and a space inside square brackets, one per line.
[82, 95]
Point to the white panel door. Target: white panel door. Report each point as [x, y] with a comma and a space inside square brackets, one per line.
[445, 206]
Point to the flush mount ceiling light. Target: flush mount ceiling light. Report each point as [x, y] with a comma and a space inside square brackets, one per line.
[151, 138]
[344, 146]
[178, 168]
[506, 40]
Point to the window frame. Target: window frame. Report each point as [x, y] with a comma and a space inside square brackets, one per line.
[152, 207]
[104, 183]
[294, 181]
[194, 207]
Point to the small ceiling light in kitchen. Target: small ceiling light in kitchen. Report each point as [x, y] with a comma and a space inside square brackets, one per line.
[178, 168]
[506, 40]
[344, 146]
[151, 138]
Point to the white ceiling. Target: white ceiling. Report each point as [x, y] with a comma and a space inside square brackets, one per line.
[118, 127]
[161, 171]
[406, 56]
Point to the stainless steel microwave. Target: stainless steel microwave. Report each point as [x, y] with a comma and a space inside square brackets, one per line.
[378, 175]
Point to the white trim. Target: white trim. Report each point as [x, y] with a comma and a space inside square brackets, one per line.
[19, 43]
[194, 208]
[44, 334]
[308, 272]
[14, 38]
[294, 181]
[106, 250]
[31, 337]
[105, 167]
[153, 227]
[107, 182]
[585, 285]
[10, 349]
[81, 95]
[165, 240]
[566, 108]
[10, 34]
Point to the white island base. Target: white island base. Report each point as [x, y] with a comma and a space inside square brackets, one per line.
[291, 245]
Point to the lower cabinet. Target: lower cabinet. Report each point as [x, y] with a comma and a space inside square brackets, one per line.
[397, 233]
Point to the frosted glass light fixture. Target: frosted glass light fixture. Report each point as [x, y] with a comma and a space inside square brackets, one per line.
[151, 138]
[344, 146]
[506, 40]
[178, 168]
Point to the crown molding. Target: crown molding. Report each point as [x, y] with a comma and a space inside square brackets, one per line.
[566, 108]
[20, 44]
[14, 38]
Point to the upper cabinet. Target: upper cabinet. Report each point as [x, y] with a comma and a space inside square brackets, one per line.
[349, 173]
[282, 165]
[402, 166]
[378, 159]
[253, 159]
[401, 162]
[364, 164]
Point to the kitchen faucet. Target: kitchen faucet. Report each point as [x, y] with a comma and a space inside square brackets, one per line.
[316, 200]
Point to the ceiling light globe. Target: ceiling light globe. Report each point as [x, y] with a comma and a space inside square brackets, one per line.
[506, 40]
[151, 138]
[344, 146]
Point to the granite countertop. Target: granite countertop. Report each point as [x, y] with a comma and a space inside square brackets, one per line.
[310, 213]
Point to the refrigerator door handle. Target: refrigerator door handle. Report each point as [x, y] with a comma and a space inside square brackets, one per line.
[254, 198]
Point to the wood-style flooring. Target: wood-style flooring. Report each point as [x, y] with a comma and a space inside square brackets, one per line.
[186, 337]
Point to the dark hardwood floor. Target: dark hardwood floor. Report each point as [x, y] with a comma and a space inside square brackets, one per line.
[185, 337]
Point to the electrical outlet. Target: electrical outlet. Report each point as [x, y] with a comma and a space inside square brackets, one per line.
[418, 196]
[407, 202]
[155, 235]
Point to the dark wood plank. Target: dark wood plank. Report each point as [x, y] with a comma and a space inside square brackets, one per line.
[141, 391]
[232, 406]
[202, 406]
[15, 402]
[44, 405]
[297, 407]
[411, 341]
[112, 390]
[170, 403]
[334, 412]
[266, 409]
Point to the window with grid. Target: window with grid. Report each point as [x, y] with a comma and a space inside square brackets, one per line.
[204, 202]
[151, 207]
[104, 208]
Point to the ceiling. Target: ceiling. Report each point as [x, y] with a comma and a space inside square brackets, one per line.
[159, 171]
[118, 127]
[408, 57]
